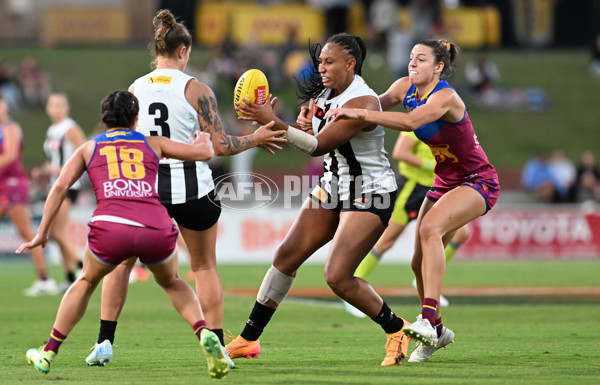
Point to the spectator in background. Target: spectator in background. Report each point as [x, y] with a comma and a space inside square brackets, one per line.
[587, 184]
[566, 173]
[14, 199]
[483, 77]
[9, 88]
[539, 178]
[383, 17]
[423, 14]
[35, 82]
[399, 45]
[336, 14]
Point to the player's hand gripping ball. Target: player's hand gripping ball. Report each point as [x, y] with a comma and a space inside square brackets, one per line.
[252, 85]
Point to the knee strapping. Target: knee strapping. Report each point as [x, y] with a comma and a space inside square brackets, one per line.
[275, 287]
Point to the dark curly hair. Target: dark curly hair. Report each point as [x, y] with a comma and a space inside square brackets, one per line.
[119, 109]
[312, 85]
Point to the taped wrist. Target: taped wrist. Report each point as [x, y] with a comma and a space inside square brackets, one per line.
[275, 286]
[300, 140]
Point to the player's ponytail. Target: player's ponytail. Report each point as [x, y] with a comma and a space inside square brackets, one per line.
[169, 35]
[119, 109]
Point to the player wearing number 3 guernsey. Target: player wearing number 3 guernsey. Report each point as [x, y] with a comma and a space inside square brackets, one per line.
[174, 105]
[129, 222]
[466, 184]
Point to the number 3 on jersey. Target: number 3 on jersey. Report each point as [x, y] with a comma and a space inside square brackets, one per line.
[132, 166]
[161, 114]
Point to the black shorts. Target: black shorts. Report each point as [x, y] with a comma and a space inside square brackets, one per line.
[381, 205]
[200, 214]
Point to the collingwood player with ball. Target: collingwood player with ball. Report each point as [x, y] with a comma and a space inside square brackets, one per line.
[174, 105]
[351, 205]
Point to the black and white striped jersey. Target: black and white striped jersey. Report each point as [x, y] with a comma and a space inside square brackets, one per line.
[359, 166]
[164, 111]
[58, 148]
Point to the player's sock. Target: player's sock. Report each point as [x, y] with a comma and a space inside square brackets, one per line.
[367, 265]
[439, 326]
[55, 340]
[450, 250]
[107, 331]
[388, 320]
[429, 309]
[259, 318]
[198, 327]
[219, 333]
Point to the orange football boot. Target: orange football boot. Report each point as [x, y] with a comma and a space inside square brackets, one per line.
[396, 348]
[240, 347]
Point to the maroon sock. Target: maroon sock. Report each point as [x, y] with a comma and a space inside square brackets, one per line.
[56, 338]
[198, 326]
[429, 309]
[438, 326]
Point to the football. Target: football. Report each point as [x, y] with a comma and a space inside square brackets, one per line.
[252, 85]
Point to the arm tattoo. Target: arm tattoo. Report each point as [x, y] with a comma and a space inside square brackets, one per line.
[211, 122]
[206, 106]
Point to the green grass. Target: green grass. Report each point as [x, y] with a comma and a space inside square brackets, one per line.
[87, 74]
[317, 342]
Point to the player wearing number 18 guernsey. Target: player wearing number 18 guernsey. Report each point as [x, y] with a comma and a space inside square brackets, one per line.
[175, 105]
[123, 175]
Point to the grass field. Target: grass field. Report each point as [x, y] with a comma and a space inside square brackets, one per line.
[550, 340]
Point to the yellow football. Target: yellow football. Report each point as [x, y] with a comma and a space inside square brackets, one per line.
[252, 85]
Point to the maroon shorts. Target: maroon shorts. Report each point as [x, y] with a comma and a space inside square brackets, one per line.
[488, 188]
[14, 191]
[113, 243]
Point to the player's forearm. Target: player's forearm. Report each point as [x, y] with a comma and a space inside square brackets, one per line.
[231, 145]
[394, 120]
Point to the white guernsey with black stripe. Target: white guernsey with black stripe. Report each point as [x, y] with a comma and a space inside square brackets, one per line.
[164, 111]
[359, 166]
[59, 149]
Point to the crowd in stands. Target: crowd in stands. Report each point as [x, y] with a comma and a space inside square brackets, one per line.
[554, 178]
[26, 86]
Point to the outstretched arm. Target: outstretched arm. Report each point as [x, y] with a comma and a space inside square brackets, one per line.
[443, 104]
[200, 149]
